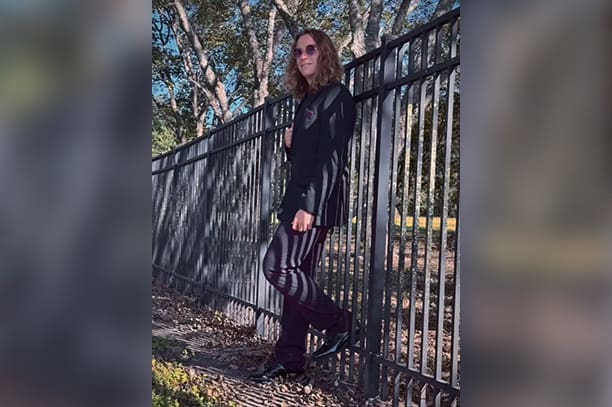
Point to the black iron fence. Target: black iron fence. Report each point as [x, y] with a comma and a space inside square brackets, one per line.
[396, 263]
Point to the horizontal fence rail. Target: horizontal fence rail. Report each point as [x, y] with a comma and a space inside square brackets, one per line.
[395, 264]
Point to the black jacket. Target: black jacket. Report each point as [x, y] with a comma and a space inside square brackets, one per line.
[322, 130]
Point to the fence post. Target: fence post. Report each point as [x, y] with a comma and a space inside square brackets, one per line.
[380, 212]
[264, 215]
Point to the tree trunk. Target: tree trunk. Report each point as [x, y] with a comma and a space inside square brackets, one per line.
[357, 28]
[275, 35]
[200, 124]
[372, 38]
[211, 79]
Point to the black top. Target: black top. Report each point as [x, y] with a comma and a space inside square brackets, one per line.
[322, 130]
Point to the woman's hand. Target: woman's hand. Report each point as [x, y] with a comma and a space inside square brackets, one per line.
[302, 221]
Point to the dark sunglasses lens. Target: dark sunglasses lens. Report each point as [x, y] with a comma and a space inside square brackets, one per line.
[310, 50]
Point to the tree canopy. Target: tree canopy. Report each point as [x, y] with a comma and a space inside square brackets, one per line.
[213, 59]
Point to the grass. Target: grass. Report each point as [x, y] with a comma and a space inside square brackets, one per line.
[174, 385]
[451, 223]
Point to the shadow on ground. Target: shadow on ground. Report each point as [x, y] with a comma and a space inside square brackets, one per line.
[210, 345]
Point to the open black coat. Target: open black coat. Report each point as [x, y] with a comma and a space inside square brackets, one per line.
[322, 131]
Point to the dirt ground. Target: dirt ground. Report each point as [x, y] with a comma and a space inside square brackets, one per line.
[224, 353]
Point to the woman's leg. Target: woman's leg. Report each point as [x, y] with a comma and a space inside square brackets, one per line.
[291, 346]
[287, 252]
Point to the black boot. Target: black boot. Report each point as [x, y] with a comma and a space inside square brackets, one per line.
[334, 343]
[272, 372]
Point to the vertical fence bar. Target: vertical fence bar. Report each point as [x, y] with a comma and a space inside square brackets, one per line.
[391, 234]
[444, 232]
[173, 231]
[264, 218]
[349, 236]
[212, 222]
[414, 253]
[361, 169]
[454, 377]
[206, 222]
[456, 301]
[380, 212]
[430, 209]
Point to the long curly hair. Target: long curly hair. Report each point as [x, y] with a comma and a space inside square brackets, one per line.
[329, 67]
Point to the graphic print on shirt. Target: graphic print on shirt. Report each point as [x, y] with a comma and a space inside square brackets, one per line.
[309, 117]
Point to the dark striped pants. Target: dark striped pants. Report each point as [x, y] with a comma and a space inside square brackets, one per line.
[289, 265]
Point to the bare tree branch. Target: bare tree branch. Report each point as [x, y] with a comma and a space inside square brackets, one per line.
[158, 33]
[198, 106]
[288, 17]
[262, 63]
[443, 6]
[200, 121]
[245, 10]
[214, 85]
[159, 104]
[178, 120]
[407, 7]
[344, 43]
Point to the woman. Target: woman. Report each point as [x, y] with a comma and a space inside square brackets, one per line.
[315, 201]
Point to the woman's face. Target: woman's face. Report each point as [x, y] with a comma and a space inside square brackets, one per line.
[306, 53]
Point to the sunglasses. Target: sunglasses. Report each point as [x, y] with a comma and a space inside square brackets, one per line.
[310, 51]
